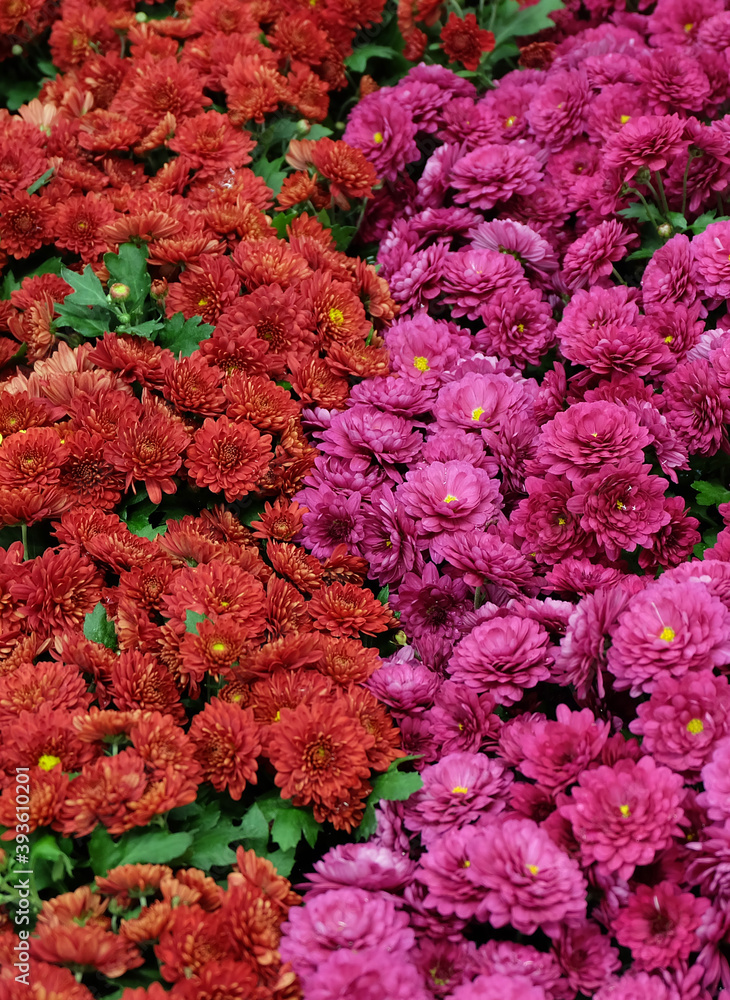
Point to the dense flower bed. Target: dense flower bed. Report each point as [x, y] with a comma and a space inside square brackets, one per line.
[534, 482]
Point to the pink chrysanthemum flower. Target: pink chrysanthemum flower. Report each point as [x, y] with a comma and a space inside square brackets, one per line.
[716, 778]
[659, 925]
[445, 871]
[499, 987]
[623, 505]
[515, 238]
[684, 719]
[506, 958]
[557, 111]
[472, 275]
[551, 531]
[518, 324]
[711, 254]
[422, 349]
[370, 866]
[532, 883]
[593, 255]
[669, 275]
[456, 791]
[649, 142]
[478, 401]
[484, 558]
[449, 496]
[637, 984]
[555, 753]
[384, 130]
[587, 436]
[586, 956]
[492, 174]
[667, 631]
[697, 407]
[503, 656]
[623, 815]
[366, 974]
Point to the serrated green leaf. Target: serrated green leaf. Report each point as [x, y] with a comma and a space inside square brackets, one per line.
[211, 847]
[643, 254]
[53, 265]
[192, 620]
[342, 235]
[50, 861]
[154, 847]
[129, 266]
[43, 179]
[636, 210]
[98, 628]
[361, 56]
[677, 220]
[254, 830]
[283, 861]
[183, 336]
[710, 494]
[287, 829]
[394, 785]
[703, 221]
[270, 172]
[9, 284]
[514, 21]
[368, 824]
[104, 852]
[317, 131]
[87, 289]
[282, 220]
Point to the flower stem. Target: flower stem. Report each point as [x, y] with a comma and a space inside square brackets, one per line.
[662, 194]
[617, 276]
[684, 184]
[24, 537]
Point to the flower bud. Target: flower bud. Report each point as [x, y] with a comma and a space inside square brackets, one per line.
[17, 50]
[159, 289]
[119, 291]
[665, 230]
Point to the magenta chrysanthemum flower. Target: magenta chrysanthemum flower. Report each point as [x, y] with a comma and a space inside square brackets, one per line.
[366, 974]
[331, 519]
[420, 278]
[709, 864]
[716, 778]
[363, 434]
[648, 142]
[456, 791]
[431, 604]
[494, 173]
[555, 753]
[669, 275]
[684, 719]
[637, 984]
[343, 919]
[461, 719]
[518, 324]
[586, 956]
[445, 871]
[472, 275]
[369, 866]
[558, 110]
[457, 445]
[622, 505]
[697, 407]
[587, 436]
[612, 349]
[388, 540]
[394, 395]
[449, 496]
[595, 308]
[385, 132]
[505, 958]
[623, 815]
[503, 656]
[593, 255]
[477, 401]
[484, 558]
[422, 349]
[532, 883]
[404, 687]
[659, 925]
[668, 630]
[499, 987]
[515, 238]
[551, 531]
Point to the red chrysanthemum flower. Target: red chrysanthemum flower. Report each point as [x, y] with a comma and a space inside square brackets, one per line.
[349, 174]
[309, 94]
[141, 681]
[193, 386]
[315, 382]
[44, 738]
[24, 223]
[214, 589]
[301, 187]
[338, 312]
[78, 224]
[156, 88]
[227, 744]
[464, 41]
[291, 561]
[22, 159]
[205, 289]
[286, 609]
[46, 791]
[269, 262]
[228, 457]
[347, 661]
[128, 882]
[319, 751]
[375, 720]
[86, 947]
[32, 458]
[282, 520]
[133, 359]
[258, 400]
[254, 89]
[210, 140]
[149, 451]
[27, 505]
[30, 686]
[86, 477]
[57, 590]
[216, 650]
[345, 610]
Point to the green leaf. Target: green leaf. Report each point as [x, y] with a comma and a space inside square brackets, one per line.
[154, 847]
[342, 236]
[643, 253]
[47, 68]
[394, 785]
[43, 179]
[636, 210]
[183, 336]
[710, 494]
[192, 620]
[282, 220]
[9, 284]
[677, 220]
[289, 825]
[384, 594]
[368, 824]
[270, 172]
[104, 853]
[50, 862]
[283, 861]
[318, 131]
[360, 57]
[211, 847]
[98, 628]
[87, 289]
[54, 265]
[254, 829]
[703, 221]
[19, 92]
[129, 266]
[517, 22]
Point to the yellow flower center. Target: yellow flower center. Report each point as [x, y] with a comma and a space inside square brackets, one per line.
[336, 316]
[459, 790]
[667, 633]
[695, 726]
[520, 327]
[421, 364]
[689, 26]
[48, 761]
[218, 647]
[378, 137]
[668, 339]
[532, 869]
[510, 121]
[449, 498]
[561, 520]
[620, 505]
[477, 412]
[225, 604]
[277, 717]
[202, 302]
[624, 119]
[625, 811]
[466, 864]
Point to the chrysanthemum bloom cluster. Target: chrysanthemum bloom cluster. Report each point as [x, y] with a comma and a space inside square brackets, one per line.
[276, 634]
[207, 939]
[526, 499]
